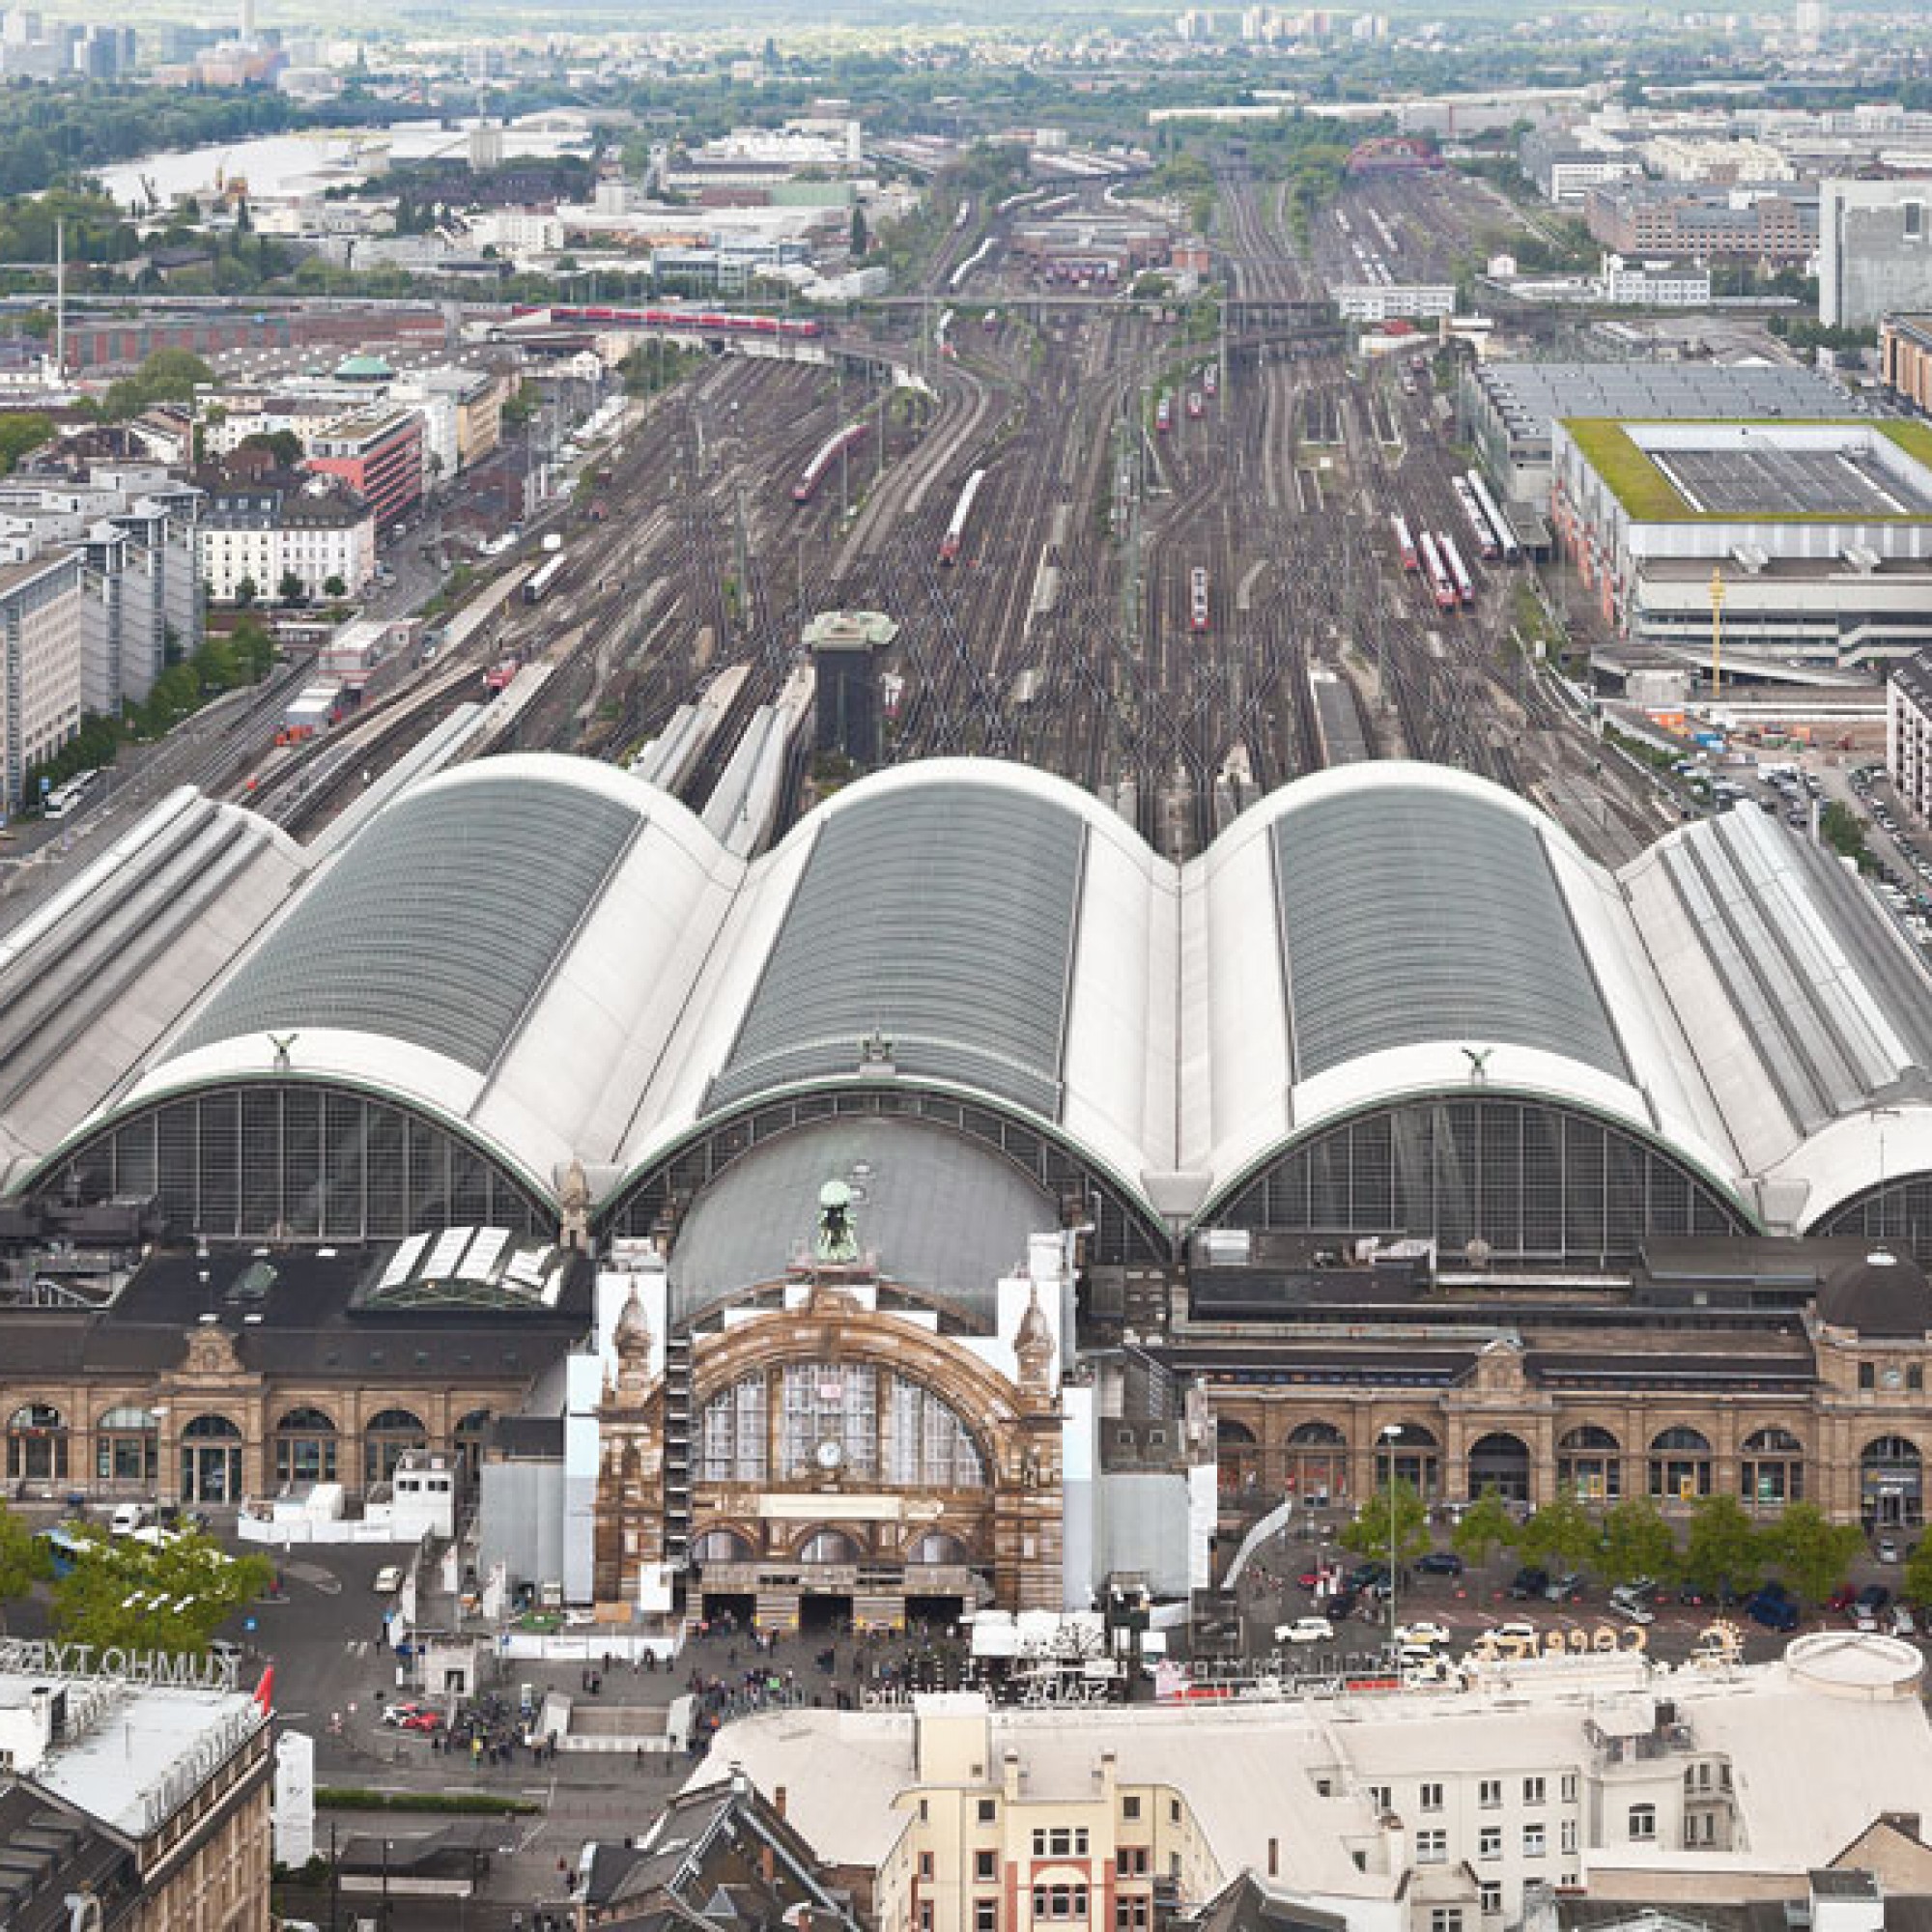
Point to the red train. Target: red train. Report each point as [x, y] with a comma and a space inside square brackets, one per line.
[829, 452]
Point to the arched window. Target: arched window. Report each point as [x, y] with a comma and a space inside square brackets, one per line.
[928, 1446]
[305, 1445]
[1891, 1483]
[1316, 1465]
[126, 1447]
[387, 1437]
[36, 1444]
[731, 1434]
[1237, 1459]
[1680, 1465]
[210, 1461]
[937, 1546]
[1590, 1466]
[1500, 1463]
[829, 1419]
[1771, 1468]
[721, 1546]
[828, 1546]
[1410, 1455]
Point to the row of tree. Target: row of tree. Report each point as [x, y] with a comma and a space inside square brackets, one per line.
[132, 1595]
[1723, 1545]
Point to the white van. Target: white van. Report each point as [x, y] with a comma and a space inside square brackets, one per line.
[128, 1517]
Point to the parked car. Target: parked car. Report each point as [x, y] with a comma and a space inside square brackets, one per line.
[1365, 1576]
[1342, 1604]
[1873, 1597]
[1439, 1563]
[1886, 1549]
[1903, 1622]
[1422, 1634]
[1305, 1630]
[1774, 1608]
[1841, 1599]
[1529, 1582]
[1517, 1631]
[398, 1716]
[389, 1580]
[1565, 1589]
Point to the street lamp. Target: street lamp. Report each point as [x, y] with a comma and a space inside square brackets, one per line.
[1391, 1433]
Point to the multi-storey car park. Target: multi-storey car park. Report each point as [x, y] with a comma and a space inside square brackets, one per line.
[1821, 533]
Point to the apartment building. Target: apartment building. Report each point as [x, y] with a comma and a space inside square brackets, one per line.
[259, 529]
[1415, 1811]
[1908, 733]
[41, 634]
[1765, 228]
[380, 455]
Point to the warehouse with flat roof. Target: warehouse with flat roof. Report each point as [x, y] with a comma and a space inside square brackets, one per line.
[1509, 410]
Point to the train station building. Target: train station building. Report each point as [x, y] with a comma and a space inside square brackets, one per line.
[1391, 1130]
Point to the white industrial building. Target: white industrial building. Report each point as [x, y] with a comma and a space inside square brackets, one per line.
[1822, 533]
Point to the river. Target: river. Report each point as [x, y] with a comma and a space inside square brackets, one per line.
[282, 164]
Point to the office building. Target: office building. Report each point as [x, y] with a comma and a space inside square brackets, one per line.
[1875, 250]
[379, 455]
[42, 646]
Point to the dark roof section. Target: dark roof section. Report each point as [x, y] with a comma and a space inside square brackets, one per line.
[718, 1855]
[440, 922]
[1881, 1295]
[941, 920]
[49, 1850]
[302, 1323]
[1248, 1904]
[1414, 913]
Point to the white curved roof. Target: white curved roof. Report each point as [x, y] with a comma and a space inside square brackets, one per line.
[560, 959]
[1420, 917]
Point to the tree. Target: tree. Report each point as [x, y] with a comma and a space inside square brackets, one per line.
[283, 444]
[333, 586]
[1814, 1551]
[1636, 1542]
[291, 589]
[1487, 1526]
[155, 1596]
[247, 591]
[1559, 1536]
[21, 432]
[860, 237]
[1723, 1546]
[23, 1556]
[1369, 1534]
[1915, 1585]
